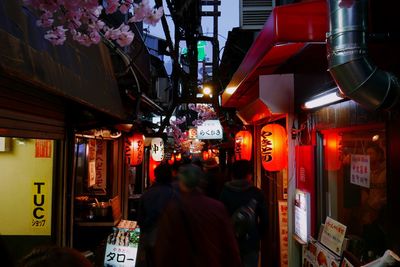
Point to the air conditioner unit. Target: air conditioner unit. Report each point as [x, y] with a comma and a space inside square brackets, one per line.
[254, 13]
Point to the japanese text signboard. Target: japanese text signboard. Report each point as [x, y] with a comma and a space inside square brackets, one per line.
[283, 232]
[101, 165]
[122, 245]
[333, 235]
[360, 170]
[120, 256]
[210, 129]
[43, 148]
[302, 218]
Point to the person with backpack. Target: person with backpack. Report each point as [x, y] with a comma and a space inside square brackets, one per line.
[248, 210]
[151, 206]
[195, 230]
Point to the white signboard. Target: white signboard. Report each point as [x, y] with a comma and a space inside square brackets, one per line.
[333, 235]
[360, 170]
[210, 129]
[302, 218]
[120, 256]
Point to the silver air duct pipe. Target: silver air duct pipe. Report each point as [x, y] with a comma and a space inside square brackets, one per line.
[354, 73]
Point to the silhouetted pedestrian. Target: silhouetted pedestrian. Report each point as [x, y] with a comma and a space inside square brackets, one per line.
[195, 230]
[152, 203]
[240, 195]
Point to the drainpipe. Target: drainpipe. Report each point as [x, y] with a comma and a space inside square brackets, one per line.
[354, 73]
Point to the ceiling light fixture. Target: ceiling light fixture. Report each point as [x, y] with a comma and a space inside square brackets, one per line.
[230, 90]
[329, 97]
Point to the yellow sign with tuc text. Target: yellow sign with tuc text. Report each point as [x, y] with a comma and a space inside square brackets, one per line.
[26, 178]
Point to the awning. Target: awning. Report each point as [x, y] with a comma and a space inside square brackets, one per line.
[287, 31]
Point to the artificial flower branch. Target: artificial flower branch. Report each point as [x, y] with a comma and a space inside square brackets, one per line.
[81, 19]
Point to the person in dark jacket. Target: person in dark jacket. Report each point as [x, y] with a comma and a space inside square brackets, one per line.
[195, 230]
[151, 205]
[238, 193]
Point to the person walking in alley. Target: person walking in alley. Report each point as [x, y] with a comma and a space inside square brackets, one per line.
[247, 207]
[195, 230]
[151, 206]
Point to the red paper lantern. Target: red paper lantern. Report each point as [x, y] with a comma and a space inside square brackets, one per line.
[274, 154]
[178, 157]
[332, 150]
[206, 155]
[135, 149]
[152, 166]
[243, 145]
[171, 161]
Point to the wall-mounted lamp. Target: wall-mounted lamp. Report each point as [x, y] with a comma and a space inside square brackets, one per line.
[328, 97]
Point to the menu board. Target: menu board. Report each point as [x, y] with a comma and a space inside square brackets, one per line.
[302, 217]
[121, 249]
[333, 235]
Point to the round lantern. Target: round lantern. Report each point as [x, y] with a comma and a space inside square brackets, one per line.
[135, 149]
[206, 155]
[332, 149]
[274, 152]
[171, 161]
[243, 145]
[178, 157]
[152, 166]
[157, 149]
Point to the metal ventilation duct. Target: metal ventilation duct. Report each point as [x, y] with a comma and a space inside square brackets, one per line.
[354, 73]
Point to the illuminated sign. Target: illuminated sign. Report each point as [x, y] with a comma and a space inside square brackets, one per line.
[302, 218]
[210, 129]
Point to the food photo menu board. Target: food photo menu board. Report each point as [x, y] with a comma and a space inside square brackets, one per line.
[316, 255]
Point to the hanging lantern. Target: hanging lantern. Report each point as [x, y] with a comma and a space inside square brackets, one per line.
[274, 153]
[178, 157]
[243, 145]
[206, 155]
[157, 149]
[152, 166]
[171, 161]
[134, 149]
[332, 150]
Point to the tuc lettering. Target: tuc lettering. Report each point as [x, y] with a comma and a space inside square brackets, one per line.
[38, 202]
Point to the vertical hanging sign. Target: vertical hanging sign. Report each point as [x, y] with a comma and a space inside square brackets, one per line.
[91, 148]
[101, 164]
[283, 232]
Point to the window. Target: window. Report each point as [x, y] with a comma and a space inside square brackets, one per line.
[26, 186]
[355, 177]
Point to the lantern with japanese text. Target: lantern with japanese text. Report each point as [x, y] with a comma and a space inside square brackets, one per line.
[332, 150]
[274, 151]
[243, 145]
[157, 149]
[134, 149]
